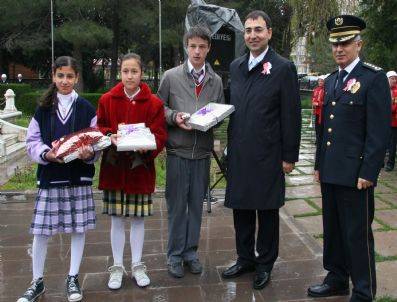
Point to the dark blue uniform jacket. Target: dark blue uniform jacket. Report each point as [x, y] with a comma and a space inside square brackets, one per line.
[355, 128]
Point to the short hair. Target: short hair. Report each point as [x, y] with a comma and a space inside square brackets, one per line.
[197, 31]
[357, 38]
[134, 56]
[259, 13]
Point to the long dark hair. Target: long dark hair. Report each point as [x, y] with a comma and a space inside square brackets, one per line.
[49, 98]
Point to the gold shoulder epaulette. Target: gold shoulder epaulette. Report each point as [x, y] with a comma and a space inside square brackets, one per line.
[372, 66]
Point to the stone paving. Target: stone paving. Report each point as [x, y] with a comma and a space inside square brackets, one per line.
[299, 264]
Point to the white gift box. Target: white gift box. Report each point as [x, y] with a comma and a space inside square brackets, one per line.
[103, 143]
[135, 137]
[209, 116]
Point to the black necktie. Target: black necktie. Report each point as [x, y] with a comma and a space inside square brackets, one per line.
[339, 84]
[196, 75]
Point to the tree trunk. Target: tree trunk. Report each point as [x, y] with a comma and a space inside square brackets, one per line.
[115, 43]
[3, 63]
[78, 55]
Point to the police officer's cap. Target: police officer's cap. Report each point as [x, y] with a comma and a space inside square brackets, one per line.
[344, 28]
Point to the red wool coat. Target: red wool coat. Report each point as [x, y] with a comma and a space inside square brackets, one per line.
[129, 171]
[394, 106]
[318, 96]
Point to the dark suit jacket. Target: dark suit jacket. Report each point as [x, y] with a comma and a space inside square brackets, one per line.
[263, 131]
[355, 128]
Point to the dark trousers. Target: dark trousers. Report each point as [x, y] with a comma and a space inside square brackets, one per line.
[266, 242]
[392, 148]
[348, 240]
[186, 185]
[317, 126]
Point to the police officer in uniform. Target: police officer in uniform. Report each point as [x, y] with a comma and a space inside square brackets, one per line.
[352, 143]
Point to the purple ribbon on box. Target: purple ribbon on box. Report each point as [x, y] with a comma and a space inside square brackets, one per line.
[204, 111]
[130, 130]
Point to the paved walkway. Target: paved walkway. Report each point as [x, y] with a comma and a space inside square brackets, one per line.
[299, 264]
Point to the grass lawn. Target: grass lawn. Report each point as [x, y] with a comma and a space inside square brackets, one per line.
[23, 121]
[386, 299]
[26, 179]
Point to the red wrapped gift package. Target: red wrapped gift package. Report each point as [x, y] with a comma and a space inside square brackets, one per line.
[72, 142]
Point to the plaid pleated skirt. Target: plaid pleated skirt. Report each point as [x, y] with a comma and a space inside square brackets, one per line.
[117, 203]
[63, 210]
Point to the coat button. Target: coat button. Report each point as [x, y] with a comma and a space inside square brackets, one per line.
[361, 157]
[328, 143]
[351, 103]
[333, 103]
[331, 116]
[329, 130]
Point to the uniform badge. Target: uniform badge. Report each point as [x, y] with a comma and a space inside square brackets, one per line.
[355, 87]
[350, 85]
[338, 21]
[395, 100]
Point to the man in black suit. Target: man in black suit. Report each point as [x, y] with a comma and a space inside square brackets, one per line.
[263, 145]
[350, 153]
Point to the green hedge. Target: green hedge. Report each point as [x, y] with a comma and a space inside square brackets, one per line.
[19, 89]
[27, 102]
[92, 97]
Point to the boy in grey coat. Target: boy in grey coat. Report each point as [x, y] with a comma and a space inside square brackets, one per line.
[185, 89]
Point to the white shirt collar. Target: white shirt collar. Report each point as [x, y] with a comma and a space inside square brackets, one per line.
[65, 102]
[133, 95]
[351, 66]
[258, 58]
[190, 66]
[67, 99]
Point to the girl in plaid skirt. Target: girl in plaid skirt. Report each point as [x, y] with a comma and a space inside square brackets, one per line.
[128, 178]
[64, 202]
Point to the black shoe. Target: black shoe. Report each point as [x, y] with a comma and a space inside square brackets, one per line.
[325, 290]
[388, 168]
[73, 290]
[236, 270]
[176, 270]
[261, 280]
[35, 289]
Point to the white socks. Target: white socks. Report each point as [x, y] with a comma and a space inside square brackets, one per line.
[137, 235]
[76, 252]
[117, 238]
[39, 253]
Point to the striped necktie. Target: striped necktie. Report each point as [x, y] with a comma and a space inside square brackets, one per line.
[197, 75]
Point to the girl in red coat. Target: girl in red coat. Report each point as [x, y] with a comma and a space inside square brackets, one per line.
[317, 103]
[128, 178]
[392, 76]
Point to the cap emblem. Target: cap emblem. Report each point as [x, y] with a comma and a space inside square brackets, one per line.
[338, 21]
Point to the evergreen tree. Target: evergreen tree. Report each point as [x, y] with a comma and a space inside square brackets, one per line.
[380, 36]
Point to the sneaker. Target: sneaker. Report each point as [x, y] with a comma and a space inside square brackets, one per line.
[139, 273]
[194, 266]
[176, 270]
[35, 289]
[116, 276]
[73, 290]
